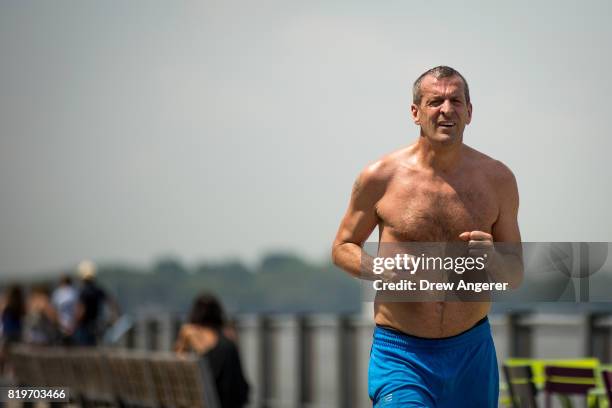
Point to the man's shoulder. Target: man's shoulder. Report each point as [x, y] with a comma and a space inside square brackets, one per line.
[489, 164]
[374, 178]
[498, 173]
[383, 169]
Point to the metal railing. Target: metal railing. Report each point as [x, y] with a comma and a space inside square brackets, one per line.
[322, 360]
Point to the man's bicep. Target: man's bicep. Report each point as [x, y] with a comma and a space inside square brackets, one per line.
[361, 217]
[356, 226]
[506, 228]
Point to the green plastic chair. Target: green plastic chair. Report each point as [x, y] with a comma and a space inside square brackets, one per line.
[521, 387]
[539, 377]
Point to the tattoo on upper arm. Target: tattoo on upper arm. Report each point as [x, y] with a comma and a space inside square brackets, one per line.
[357, 185]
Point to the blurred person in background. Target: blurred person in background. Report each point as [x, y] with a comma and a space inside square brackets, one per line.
[64, 299]
[41, 327]
[89, 315]
[206, 335]
[13, 312]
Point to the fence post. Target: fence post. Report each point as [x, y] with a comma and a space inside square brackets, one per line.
[304, 362]
[520, 336]
[598, 342]
[346, 362]
[266, 363]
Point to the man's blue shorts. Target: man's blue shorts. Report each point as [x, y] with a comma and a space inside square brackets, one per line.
[454, 372]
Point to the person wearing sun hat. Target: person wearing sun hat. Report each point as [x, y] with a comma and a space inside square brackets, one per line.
[89, 311]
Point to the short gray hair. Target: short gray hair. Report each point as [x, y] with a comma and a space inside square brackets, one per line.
[441, 71]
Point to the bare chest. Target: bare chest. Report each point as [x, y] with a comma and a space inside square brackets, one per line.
[434, 210]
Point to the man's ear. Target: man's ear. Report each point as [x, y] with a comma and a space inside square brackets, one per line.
[414, 110]
[469, 113]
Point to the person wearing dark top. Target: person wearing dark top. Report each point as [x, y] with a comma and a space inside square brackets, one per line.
[12, 315]
[207, 334]
[89, 308]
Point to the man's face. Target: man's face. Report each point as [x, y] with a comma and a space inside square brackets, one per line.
[443, 111]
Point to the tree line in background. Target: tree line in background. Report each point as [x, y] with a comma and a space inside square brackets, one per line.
[281, 283]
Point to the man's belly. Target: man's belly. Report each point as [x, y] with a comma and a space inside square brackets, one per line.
[430, 319]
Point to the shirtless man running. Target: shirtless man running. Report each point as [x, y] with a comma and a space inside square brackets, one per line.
[433, 354]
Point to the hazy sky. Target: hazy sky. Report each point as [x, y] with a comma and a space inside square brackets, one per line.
[206, 130]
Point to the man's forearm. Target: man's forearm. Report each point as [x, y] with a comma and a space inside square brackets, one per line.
[353, 259]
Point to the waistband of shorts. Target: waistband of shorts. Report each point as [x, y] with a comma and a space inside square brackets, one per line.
[395, 338]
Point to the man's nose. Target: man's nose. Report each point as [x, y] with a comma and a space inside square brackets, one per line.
[446, 107]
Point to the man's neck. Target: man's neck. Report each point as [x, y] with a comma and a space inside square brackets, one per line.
[438, 157]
